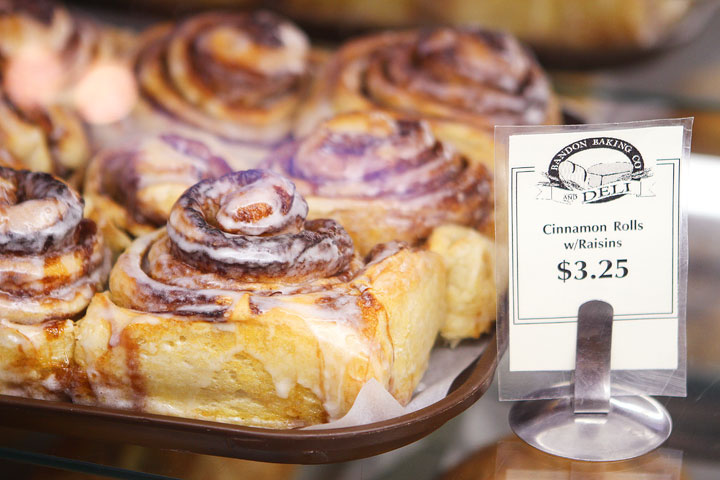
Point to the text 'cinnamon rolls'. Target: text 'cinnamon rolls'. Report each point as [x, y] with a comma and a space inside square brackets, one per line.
[243, 311]
[52, 261]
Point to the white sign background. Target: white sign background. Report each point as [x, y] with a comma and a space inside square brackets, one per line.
[542, 307]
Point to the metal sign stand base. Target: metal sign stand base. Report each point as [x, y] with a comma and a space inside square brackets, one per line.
[592, 426]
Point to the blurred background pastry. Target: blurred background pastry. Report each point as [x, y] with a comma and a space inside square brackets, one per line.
[563, 32]
[129, 191]
[387, 177]
[47, 50]
[468, 78]
[51, 62]
[48, 138]
[52, 261]
[237, 76]
[557, 25]
[244, 312]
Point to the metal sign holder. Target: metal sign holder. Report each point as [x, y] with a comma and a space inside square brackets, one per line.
[592, 425]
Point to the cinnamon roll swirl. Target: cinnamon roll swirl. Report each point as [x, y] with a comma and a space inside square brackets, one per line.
[238, 76]
[469, 78]
[130, 190]
[386, 177]
[52, 261]
[243, 311]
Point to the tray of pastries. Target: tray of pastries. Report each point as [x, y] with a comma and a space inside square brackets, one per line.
[217, 237]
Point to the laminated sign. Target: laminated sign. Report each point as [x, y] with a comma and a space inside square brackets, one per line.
[592, 212]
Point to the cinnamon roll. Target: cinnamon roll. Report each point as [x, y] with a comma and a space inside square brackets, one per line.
[52, 261]
[50, 49]
[237, 76]
[243, 311]
[48, 138]
[45, 52]
[465, 78]
[386, 177]
[7, 159]
[130, 190]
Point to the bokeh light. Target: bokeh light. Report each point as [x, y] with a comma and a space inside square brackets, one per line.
[33, 77]
[106, 93]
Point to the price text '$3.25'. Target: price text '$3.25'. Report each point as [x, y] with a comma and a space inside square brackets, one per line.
[580, 271]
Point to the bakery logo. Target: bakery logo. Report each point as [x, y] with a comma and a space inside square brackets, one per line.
[595, 170]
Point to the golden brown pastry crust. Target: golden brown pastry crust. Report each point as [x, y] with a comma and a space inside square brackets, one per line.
[129, 191]
[386, 177]
[243, 312]
[36, 360]
[238, 76]
[52, 261]
[469, 259]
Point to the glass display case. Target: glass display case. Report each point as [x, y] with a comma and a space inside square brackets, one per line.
[644, 65]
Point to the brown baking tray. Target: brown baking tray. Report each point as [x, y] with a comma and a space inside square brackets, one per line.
[266, 445]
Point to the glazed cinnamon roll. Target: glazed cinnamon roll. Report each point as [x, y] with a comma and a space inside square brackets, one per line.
[238, 76]
[469, 79]
[52, 261]
[243, 311]
[386, 177]
[130, 190]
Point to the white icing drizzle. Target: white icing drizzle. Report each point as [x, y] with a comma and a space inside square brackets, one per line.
[34, 334]
[341, 308]
[51, 383]
[336, 328]
[118, 325]
[390, 168]
[260, 217]
[260, 193]
[53, 263]
[108, 394]
[48, 213]
[153, 295]
[185, 161]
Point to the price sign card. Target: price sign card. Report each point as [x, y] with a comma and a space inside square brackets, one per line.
[592, 213]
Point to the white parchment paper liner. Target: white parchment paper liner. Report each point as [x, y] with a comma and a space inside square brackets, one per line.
[375, 404]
